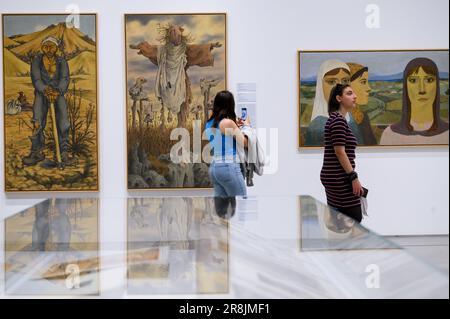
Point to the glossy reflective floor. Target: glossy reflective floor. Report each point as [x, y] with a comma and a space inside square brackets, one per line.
[203, 247]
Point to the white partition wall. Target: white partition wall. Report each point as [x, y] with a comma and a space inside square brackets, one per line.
[408, 186]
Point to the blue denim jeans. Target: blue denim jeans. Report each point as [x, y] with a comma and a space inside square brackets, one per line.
[227, 179]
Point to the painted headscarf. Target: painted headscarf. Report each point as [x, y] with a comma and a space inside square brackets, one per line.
[320, 107]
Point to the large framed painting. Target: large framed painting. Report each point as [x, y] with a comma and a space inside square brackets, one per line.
[52, 248]
[177, 246]
[402, 95]
[50, 102]
[175, 64]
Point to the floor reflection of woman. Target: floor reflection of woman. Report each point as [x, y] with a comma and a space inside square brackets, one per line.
[335, 225]
[420, 122]
[225, 207]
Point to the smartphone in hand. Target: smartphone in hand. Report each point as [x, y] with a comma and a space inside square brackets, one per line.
[243, 113]
[365, 192]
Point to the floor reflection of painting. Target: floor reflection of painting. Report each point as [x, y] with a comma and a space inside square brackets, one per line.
[52, 248]
[176, 245]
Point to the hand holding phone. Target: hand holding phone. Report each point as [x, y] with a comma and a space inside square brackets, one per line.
[244, 113]
[365, 192]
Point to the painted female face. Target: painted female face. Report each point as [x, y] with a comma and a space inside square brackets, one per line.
[332, 78]
[421, 88]
[362, 88]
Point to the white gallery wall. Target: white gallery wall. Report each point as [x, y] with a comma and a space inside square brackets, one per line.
[408, 186]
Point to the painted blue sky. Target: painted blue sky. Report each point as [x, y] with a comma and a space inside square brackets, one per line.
[379, 63]
[24, 24]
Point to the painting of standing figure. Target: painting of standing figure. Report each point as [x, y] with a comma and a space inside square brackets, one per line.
[175, 66]
[402, 96]
[50, 90]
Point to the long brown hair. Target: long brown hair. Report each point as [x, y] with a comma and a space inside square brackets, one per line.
[404, 125]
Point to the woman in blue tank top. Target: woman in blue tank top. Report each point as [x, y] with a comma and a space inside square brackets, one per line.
[224, 135]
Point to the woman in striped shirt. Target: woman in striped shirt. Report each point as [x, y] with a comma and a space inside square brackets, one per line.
[341, 182]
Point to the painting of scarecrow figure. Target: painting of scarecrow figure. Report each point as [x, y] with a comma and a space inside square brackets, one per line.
[50, 90]
[402, 96]
[175, 66]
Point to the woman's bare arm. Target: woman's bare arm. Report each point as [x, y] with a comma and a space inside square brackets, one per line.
[229, 127]
[347, 166]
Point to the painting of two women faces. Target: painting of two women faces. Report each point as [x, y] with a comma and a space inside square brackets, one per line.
[402, 96]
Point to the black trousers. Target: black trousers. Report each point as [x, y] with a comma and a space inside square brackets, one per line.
[353, 212]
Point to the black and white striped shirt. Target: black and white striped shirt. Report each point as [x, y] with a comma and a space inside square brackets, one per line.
[338, 188]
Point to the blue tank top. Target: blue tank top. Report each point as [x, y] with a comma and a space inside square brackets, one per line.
[224, 146]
